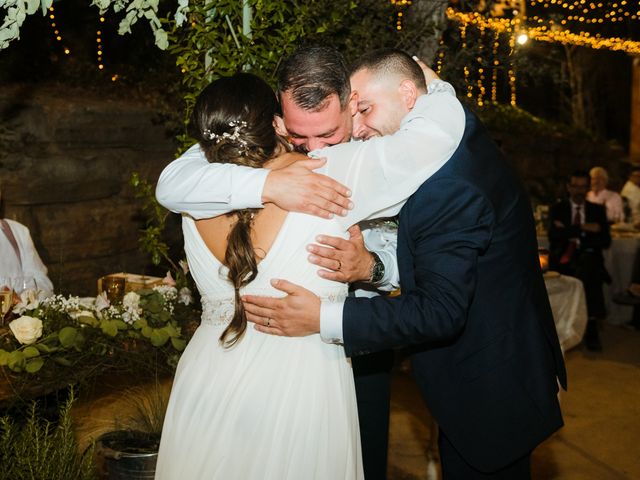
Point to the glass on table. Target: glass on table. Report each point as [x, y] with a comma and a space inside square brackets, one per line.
[6, 302]
[6, 297]
[19, 284]
[114, 287]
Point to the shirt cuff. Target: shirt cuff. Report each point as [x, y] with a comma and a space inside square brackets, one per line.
[246, 187]
[331, 322]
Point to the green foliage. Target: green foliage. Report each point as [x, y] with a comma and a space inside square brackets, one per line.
[39, 449]
[507, 118]
[211, 42]
[151, 240]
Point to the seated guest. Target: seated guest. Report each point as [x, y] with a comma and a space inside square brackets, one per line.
[631, 191]
[20, 263]
[599, 194]
[578, 232]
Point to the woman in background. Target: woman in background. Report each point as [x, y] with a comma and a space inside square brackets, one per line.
[600, 195]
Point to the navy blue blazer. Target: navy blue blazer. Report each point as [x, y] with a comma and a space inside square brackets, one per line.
[474, 303]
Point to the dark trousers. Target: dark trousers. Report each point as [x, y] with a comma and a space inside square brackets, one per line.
[454, 466]
[372, 375]
[589, 268]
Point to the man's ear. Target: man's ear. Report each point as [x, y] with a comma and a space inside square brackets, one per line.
[278, 124]
[408, 93]
[353, 103]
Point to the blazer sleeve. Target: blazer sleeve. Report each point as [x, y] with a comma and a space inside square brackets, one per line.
[450, 225]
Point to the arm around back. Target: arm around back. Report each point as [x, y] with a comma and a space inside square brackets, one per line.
[449, 225]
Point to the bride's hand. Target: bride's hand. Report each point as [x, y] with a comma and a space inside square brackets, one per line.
[298, 189]
[345, 261]
[296, 315]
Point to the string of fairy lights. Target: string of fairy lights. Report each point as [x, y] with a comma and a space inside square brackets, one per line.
[55, 29]
[57, 36]
[566, 22]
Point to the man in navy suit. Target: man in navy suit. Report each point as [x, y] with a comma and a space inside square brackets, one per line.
[473, 304]
[578, 231]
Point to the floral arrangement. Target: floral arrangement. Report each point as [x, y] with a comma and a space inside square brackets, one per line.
[71, 332]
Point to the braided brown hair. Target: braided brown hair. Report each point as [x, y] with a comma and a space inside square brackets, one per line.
[233, 123]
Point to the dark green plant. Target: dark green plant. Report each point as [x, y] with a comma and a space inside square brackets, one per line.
[151, 240]
[40, 449]
[211, 42]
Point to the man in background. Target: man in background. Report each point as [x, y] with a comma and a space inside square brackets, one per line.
[578, 232]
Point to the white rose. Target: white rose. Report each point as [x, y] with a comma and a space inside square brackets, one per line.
[131, 301]
[26, 329]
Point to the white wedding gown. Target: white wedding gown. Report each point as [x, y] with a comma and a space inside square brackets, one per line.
[270, 407]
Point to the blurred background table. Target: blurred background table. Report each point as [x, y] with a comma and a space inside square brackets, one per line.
[619, 260]
[569, 306]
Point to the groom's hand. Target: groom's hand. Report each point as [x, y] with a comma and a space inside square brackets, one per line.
[345, 261]
[296, 315]
[297, 188]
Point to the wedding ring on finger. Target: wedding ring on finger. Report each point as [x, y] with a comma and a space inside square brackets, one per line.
[339, 264]
[268, 322]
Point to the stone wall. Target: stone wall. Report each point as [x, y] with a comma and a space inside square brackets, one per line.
[65, 161]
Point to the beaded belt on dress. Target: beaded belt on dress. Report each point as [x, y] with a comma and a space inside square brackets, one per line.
[219, 309]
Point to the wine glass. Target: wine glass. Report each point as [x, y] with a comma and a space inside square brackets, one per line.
[20, 284]
[6, 297]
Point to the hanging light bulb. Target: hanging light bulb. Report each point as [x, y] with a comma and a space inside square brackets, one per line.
[522, 39]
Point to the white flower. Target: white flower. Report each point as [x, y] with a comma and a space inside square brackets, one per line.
[184, 296]
[184, 266]
[169, 293]
[28, 301]
[26, 329]
[102, 302]
[130, 316]
[168, 280]
[131, 301]
[131, 305]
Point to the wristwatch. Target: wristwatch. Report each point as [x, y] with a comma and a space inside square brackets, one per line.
[377, 269]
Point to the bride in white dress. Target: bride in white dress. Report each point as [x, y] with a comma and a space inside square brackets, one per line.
[255, 406]
[246, 405]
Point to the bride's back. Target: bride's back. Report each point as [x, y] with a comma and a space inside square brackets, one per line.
[233, 120]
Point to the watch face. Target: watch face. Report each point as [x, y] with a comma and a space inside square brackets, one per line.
[378, 270]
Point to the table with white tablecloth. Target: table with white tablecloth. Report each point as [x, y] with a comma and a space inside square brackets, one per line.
[618, 260]
[569, 307]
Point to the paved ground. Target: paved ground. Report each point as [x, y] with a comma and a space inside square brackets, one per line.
[601, 437]
[600, 441]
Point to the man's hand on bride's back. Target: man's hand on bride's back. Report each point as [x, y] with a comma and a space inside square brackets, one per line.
[298, 189]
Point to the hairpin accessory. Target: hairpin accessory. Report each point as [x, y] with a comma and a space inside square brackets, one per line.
[234, 136]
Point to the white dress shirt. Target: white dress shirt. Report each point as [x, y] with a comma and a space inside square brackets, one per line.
[381, 173]
[29, 264]
[612, 201]
[632, 193]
